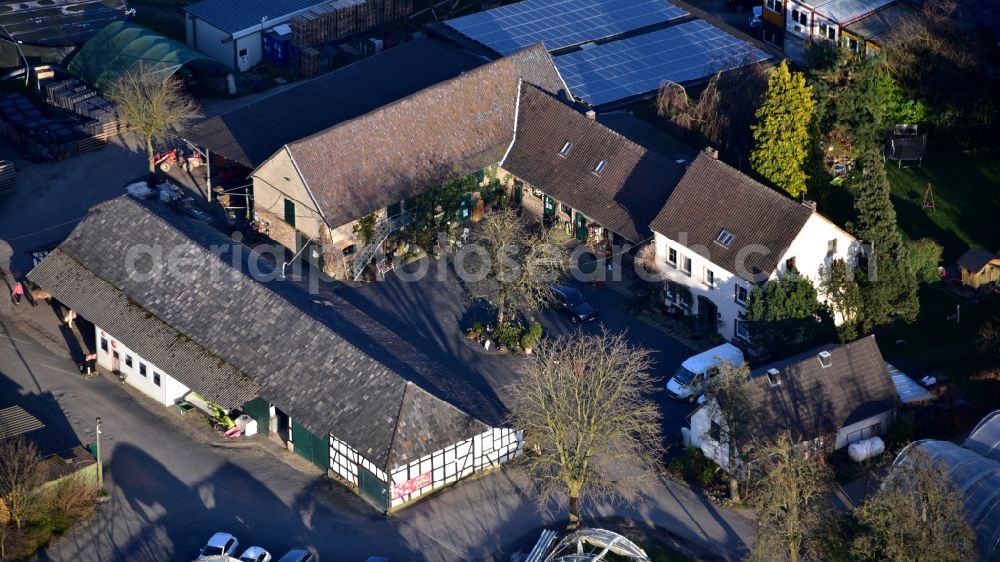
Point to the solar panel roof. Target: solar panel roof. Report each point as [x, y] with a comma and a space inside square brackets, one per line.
[635, 66]
[561, 23]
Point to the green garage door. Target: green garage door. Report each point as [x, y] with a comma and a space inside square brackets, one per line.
[311, 447]
[260, 411]
[373, 489]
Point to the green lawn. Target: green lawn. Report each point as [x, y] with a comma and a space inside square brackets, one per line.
[966, 196]
[933, 343]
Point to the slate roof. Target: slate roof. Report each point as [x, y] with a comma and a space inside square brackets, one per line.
[329, 366]
[713, 196]
[879, 26]
[232, 16]
[15, 421]
[975, 259]
[624, 197]
[404, 148]
[813, 401]
[252, 133]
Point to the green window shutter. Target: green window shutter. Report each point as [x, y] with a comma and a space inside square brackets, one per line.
[290, 212]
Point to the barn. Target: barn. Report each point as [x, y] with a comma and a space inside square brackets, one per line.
[184, 312]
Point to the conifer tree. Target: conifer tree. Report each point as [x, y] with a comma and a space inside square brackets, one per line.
[782, 134]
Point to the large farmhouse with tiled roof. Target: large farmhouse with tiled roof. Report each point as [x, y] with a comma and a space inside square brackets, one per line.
[182, 313]
[720, 233]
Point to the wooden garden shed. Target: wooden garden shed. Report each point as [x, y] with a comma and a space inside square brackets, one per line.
[979, 268]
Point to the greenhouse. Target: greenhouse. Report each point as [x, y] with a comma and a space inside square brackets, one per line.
[974, 469]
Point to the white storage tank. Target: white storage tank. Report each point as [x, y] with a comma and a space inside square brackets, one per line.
[864, 450]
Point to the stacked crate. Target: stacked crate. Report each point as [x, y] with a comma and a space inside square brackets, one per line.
[313, 62]
[329, 22]
[388, 11]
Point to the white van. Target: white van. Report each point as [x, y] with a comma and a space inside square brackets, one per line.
[689, 381]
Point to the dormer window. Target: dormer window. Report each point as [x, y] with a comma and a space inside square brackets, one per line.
[725, 238]
[565, 149]
[600, 167]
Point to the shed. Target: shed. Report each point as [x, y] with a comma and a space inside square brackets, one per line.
[979, 268]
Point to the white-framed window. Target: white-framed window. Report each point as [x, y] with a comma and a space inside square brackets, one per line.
[773, 5]
[725, 238]
[686, 264]
[804, 18]
[742, 294]
[709, 277]
[142, 368]
[128, 360]
[831, 247]
[565, 149]
[156, 378]
[672, 256]
[740, 330]
[831, 32]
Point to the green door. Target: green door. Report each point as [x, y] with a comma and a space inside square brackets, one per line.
[581, 226]
[373, 489]
[549, 207]
[518, 192]
[311, 447]
[260, 410]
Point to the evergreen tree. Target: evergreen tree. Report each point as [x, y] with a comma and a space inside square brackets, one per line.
[782, 135]
[785, 317]
[888, 285]
[844, 297]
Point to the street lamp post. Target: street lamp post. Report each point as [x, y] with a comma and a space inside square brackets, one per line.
[100, 469]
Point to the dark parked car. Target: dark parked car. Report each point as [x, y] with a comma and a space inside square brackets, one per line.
[298, 555]
[572, 303]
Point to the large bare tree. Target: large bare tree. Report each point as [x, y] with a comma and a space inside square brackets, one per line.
[590, 429]
[791, 484]
[153, 104]
[20, 474]
[916, 515]
[511, 264]
[728, 403]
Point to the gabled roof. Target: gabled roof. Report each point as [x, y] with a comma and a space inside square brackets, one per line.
[233, 16]
[713, 196]
[627, 193]
[879, 26]
[252, 133]
[812, 400]
[409, 146]
[329, 366]
[975, 259]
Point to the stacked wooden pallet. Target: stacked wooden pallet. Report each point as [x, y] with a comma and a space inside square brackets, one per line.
[329, 22]
[7, 175]
[312, 62]
[388, 11]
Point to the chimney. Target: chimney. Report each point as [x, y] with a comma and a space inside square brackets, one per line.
[825, 359]
[712, 152]
[592, 115]
[810, 204]
[772, 376]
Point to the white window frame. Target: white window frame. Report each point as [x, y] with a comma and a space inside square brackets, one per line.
[685, 264]
[737, 295]
[831, 246]
[710, 278]
[672, 257]
[157, 379]
[745, 336]
[773, 5]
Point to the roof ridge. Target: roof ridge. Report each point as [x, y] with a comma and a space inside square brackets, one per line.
[772, 192]
[507, 61]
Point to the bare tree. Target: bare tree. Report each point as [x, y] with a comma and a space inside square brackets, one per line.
[20, 474]
[153, 104]
[791, 485]
[582, 406]
[729, 404]
[510, 264]
[916, 515]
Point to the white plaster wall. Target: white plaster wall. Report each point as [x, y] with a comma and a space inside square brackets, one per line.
[210, 41]
[811, 256]
[722, 293]
[169, 389]
[252, 43]
[844, 434]
[700, 424]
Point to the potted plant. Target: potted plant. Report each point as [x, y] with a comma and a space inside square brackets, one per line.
[530, 338]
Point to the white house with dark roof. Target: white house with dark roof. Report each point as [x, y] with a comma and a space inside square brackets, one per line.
[339, 389]
[720, 233]
[830, 396]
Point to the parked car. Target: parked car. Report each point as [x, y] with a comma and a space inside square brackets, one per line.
[573, 304]
[298, 555]
[688, 382]
[255, 554]
[221, 544]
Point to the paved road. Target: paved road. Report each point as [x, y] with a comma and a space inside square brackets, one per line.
[171, 489]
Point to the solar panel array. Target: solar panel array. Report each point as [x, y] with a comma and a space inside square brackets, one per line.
[561, 23]
[635, 66]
